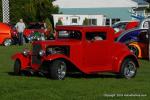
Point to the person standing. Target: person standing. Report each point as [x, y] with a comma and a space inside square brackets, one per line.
[20, 26]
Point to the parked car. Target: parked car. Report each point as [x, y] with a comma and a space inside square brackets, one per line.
[33, 28]
[122, 26]
[5, 34]
[76, 47]
[145, 24]
[137, 40]
[36, 36]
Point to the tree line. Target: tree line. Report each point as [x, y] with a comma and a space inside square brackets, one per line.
[30, 10]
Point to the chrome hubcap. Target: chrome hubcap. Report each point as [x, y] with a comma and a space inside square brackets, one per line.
[130, 69]
[62, 70]
[7, 42]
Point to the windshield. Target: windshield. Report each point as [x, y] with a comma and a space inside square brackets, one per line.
[69, 34]
[121, 25]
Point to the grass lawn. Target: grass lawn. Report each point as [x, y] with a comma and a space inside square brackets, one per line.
[101, 87]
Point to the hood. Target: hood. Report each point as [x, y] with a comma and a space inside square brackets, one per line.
[59, 42]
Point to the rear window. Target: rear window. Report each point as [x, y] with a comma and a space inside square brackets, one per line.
[96, 35]
[121, 25]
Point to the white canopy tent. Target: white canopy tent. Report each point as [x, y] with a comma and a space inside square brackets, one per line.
[94, 3]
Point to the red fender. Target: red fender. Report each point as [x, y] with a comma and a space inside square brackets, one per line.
[61, 56]
[119, 59]
[56, 56]
[25, 60]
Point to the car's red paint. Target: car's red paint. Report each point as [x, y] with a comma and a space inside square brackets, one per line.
[25, 60]
[27, 32]
[125, 26]
[89, 56]
[5, 32]
[131, 25]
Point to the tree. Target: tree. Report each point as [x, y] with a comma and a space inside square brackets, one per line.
[44, 9]
[147, 1]
[148, 9]
[49, 25]
[30, 10]
[17, 9]
[59, 22]
[85, 22]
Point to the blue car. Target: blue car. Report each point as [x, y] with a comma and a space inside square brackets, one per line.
[134, 35]
[137, 40]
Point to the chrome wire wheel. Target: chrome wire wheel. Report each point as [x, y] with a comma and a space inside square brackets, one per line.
[7, 42]
[61, 71]
[57, 70]
[130, 70]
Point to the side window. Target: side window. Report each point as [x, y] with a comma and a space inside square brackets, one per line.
[74, 20]
[96, 36]
[107, 22]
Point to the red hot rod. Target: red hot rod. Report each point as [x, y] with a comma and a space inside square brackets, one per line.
[90, 49]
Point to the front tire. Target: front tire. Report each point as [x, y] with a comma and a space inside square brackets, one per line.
[57, 70]
[128, 68]
[17, 67]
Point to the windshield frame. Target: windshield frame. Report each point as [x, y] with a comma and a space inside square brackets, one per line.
[71, 35]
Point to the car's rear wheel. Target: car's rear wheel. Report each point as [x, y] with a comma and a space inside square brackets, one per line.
[134, 50]
[7, 42]
[128, 68]
[17, 67]
[57, 70]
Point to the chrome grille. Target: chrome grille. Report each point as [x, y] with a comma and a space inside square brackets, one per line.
[35, 57]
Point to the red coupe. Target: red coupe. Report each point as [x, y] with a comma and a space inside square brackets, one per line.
[89, 49]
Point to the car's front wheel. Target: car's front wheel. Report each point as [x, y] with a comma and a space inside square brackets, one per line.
[57, 70]
[7, 42]
[17, 67]
[128, 68]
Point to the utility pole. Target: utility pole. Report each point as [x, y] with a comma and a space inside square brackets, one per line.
[5, 9]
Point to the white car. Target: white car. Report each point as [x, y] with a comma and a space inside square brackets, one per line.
[145, 24]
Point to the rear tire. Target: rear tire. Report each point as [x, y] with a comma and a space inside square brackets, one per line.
[17, 67]
[57, 70]
[128, 68]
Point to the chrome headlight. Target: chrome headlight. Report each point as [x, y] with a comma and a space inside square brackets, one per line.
[29, 38]
[38, 38]
[41, 53]
[25, 52]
